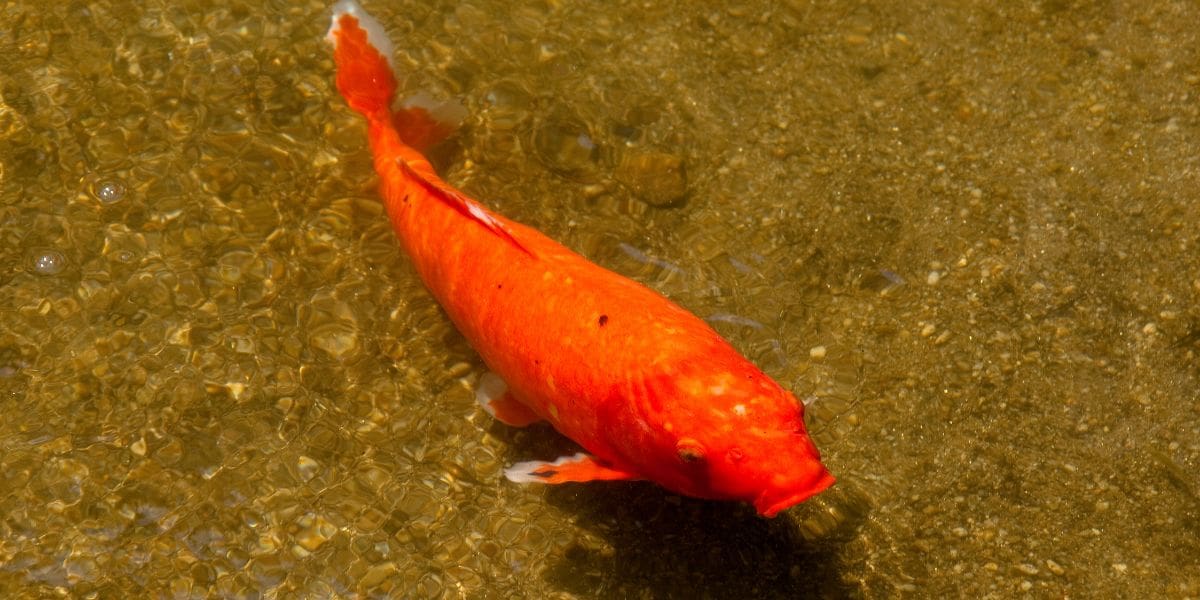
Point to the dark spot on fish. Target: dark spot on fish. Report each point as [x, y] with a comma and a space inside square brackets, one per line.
[499, 285]
[603, 320]
[689, 450]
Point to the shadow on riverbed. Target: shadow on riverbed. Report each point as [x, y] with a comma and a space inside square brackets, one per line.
[660, 545]
[663, 546]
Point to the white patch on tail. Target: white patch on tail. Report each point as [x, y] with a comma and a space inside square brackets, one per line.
[376, 34]
[449, 112]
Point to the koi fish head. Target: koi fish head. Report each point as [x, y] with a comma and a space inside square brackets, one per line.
[737, 438]
[789, 472]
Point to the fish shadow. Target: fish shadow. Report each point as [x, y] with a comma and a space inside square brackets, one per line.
[657, 545]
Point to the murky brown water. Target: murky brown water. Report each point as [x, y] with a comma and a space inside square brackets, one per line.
[969, 233]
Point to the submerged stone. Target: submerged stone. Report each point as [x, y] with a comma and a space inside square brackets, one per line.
[49, 262]
[564, 145]
[656, 178]
[109, 191]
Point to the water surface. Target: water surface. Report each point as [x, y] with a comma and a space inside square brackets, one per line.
[967, 234]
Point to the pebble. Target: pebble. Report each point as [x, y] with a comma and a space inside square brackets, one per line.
[817, 352]
[49, 262]
[109, 191]
[507, 105]
[656, 178]
[316, 530]
[564, 145]
[933, 278]
[377, 574]
[338, 339]
[458, 369]
[1054, 567]
[307, 467]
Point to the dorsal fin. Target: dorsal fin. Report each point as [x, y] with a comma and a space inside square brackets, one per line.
[466, 206]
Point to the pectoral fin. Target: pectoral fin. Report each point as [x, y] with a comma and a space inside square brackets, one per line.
[493, 395]
[578, 468]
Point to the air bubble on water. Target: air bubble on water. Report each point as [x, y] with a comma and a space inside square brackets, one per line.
[49, 262]
[109, 191]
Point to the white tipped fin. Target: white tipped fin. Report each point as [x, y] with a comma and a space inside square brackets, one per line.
[490, 388]
[376, 34]
[476, 211]
[450, 112]
[492, 394]
[577, 468]
[539, 471]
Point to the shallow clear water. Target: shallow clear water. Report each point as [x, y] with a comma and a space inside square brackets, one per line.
[967, 233]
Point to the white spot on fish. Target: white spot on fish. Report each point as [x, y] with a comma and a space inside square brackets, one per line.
[739, 410]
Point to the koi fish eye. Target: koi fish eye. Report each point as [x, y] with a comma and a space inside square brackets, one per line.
[689, 450]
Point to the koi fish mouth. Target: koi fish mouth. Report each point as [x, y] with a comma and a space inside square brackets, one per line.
[769, 503]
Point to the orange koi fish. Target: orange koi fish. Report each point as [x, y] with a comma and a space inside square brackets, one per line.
[646, 387]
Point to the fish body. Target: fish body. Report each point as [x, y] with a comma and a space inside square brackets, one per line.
[647, 388]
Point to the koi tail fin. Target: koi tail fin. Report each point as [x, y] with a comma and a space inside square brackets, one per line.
[363, 54]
